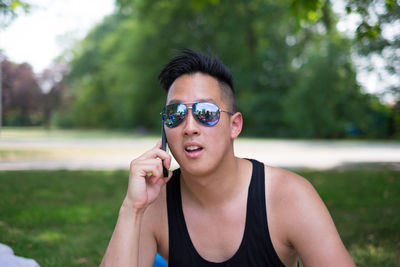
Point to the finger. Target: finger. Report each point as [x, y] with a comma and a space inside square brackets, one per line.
[158, 144]
[143, 167]
[154, 153]
[164, 156]
[165, 163]
[161, 182]
[137, 163]
[154, 174]
[160, 179]
[162, 159]
[166, 180]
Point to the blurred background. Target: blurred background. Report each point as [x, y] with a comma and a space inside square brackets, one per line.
[317, 81]
[302, 68]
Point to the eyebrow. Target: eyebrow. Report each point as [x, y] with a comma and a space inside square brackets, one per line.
[177, 101]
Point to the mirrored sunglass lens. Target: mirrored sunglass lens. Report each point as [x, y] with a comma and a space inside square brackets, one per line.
[206, 113]
[173, 114]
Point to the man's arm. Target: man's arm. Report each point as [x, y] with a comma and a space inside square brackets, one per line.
[308, 224]
[133, 229]
[123, 249]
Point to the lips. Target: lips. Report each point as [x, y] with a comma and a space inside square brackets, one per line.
[193, 150]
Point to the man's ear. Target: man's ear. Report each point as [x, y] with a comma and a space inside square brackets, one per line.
[236, 124]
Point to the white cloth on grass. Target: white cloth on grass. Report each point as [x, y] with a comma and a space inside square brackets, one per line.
[8, 259]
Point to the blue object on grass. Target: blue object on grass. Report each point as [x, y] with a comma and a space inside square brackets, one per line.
[159, 262]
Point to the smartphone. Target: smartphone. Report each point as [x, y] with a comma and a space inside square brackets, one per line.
[164, 147]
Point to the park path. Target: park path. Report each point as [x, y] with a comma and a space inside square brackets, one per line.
[113, 153]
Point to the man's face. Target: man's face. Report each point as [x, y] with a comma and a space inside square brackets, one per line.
[197, 148]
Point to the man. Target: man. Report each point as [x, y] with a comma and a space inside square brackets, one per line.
[217, 209]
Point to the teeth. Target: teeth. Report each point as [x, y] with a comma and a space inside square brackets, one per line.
[191, 148]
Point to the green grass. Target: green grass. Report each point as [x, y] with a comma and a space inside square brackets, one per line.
[66, 218]
[60, 218]
[365, 206]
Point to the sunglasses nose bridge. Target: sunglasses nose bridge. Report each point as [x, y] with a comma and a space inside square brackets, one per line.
[190, 113]
[190, 122]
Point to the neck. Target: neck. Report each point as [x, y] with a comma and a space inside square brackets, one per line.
[216, 187]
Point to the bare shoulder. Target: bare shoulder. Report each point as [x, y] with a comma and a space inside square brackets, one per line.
[284, 185]
[299, 220]
[293, 201]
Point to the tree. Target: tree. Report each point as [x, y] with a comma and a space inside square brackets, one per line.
[53, 87]
[142, 40]
[377, 32]
[326, 101]
[272, 53]
[22, 98]
[9, 9]
[100, 78]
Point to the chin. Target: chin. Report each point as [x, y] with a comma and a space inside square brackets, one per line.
[201, 167]
[194, 167]
[205, 164]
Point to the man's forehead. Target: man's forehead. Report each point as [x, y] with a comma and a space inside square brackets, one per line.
[180, 101]
[196, 87]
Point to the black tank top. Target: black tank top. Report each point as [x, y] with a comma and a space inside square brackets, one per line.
[256, 247]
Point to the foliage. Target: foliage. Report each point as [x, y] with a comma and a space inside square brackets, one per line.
[66, 218]
[53, 92]
[21, 96]
[102, 82]
[326, 100]
[24, 103]
[293, 72]
[307, 10]
[115, 68]
[394, 120]
[378, 34]
[9, 9]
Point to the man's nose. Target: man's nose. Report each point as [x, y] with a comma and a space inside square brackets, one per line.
[191, 126]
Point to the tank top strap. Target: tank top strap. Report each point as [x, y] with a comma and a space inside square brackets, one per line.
[256, 207]
[178, 239]
[257, 217]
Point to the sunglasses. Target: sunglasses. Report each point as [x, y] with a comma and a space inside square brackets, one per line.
[205, 113]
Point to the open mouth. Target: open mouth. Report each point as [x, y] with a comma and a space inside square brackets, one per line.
[193, 151]
[193, 148]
